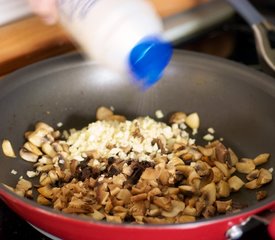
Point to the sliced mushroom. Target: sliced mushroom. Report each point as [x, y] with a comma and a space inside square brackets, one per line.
[177, 207]
[38, 137]
[45, 168]
[245, 166]
[42, 125]
[154, 192]
[224, 206]
[102, 194]
[8, 149]
[260, 195]
[209, 193]
[103, 113]
[187, 190]
[252, 184]
[178, 117]
[194, 179]
[202, 168]
[222, 154]
[28, 156]
[200, 205]
[139, 197]
[43, 201]
[23, 185]
[153, 212]
[184, 169]
[190, 211]
[235, 183]
[44, 179]
[223, 167]
[185, 219]
[218, 175]
[118, 118]
[233, 157]
[46, 191]
[209, 211]
[265, 177]
[157, 220]
[253, 175]
[150, 174]
[162, 202]
[164, 176]
[206, 151]
[32, 148]
[48, 149]
[223, 189]
[261, 159]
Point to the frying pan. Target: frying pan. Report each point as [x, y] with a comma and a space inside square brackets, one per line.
[236, 100]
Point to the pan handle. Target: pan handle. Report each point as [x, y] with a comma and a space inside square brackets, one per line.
[260, 226]
[262, 30]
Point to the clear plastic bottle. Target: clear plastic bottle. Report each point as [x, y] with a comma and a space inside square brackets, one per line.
[124, 35]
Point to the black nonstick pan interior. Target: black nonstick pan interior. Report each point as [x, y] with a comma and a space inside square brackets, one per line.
[239, 103]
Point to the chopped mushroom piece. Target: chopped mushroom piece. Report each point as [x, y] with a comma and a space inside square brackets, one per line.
[235, 183]
[28, 156]
[245, 166]
[264, 177]
[8, 149]
[223, 189]
[260, 195]
[104, 113]
[224, 206]
[177, 207]
[209, 193]
[252, 184]
[233, 157]
[253, 175]
[261, 159]
[178, 117]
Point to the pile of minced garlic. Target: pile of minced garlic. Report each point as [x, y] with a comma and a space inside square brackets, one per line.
[110, 138]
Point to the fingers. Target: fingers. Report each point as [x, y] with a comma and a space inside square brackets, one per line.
[46, 9]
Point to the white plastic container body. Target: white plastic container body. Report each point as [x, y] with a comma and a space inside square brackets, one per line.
[107, 30]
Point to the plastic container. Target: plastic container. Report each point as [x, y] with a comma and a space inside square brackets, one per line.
[124, 35]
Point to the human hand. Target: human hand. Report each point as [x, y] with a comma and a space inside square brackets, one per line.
[46, 9]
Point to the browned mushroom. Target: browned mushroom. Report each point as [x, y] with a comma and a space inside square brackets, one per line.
[8, 149]
[260, 195]
[27, 155]
[253, 175]
[233, 157]
[245, 165]
[223, 189]
[252, 184]
[209, 193]
[235, 183]
[264, 177]
[177, 207]
[261, 159]
[224, 206]
[222, 154]
[178, 117]
[103, 113]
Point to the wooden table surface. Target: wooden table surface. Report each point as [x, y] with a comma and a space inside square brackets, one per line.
[30, 40]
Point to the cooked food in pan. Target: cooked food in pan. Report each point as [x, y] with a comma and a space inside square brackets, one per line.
[139, 171]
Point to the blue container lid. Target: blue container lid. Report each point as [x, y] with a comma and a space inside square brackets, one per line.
[148, 60]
